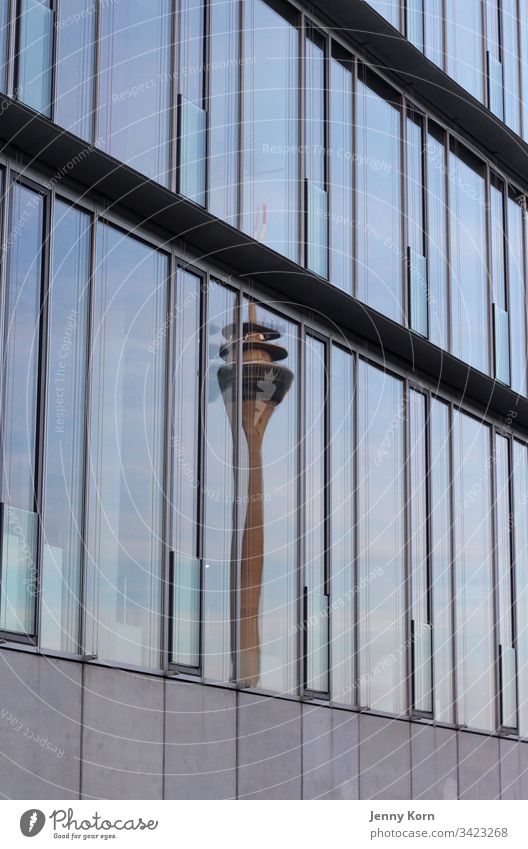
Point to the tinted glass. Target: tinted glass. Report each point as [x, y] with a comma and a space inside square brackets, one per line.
[341, 179]
[62, 518]
[510, 36]
[35, 55]
[75, 67]
[126, 451]
[433, 31]
[464, 45]
[517, 294]
[437, 239]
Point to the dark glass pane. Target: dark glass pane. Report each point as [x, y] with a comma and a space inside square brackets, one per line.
[35, 55]
[62, 517]
[75, 67]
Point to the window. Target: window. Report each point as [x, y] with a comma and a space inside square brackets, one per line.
[224, 109]
[523, 23]
[220, 503]
[434, 31]
[75, 67]
[494, 59]
[4, 18]
[469, 290]
[35, 54]
[510, 25]
[134, 84]
[422, 682]
[268, 498]
[62, 512]
[475, 650]
[125, 499]
[192, 115]
[415, 22]
[390, 9]
[416, 259]
[342, 527]
[316, 599]
[185, 473]
[464, 45]
[437, 236]
[501, 327]
[341, 170]
[22, 305]
[379, 200]
[519, 522]
[381, 576]
[270, 179]
[441, 575]
[505, 583]
[517, 290]
[316, 166]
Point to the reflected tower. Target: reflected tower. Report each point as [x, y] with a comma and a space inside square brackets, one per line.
[265, 382]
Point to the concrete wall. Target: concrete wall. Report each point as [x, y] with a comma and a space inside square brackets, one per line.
[69, 731]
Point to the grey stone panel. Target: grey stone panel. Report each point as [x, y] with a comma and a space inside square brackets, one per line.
[330, 753]
[200, 742]
[269, 748]
[384, 758]
[122, 735]
[434, 762]
[510, 769]
[40, 727]
[478, 761]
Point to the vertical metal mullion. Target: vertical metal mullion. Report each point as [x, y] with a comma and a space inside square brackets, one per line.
[429, 540]
[11, 48]
[166, 643]
[173, 112]
[425, 205]
[55, 8]
[242, 5]
[525, 282]
[200, 470]
[507, 275]
[326, 120]
[452, 541]
[83, 637]
[96, 86]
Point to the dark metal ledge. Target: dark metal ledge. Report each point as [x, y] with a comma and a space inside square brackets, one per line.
[384, 47]
[36, 140]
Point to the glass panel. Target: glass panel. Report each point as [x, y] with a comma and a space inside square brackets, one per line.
[437, 241]
[191, 50]
[415, 22]
[4, 15]
[315, 517]
[418, 506]
[415, 183]
[464, 44]
[317, 630]
[498, 260]
[341, 176]
[19, 570]
[493, 28]
[185, 611]
[523, 23]
[441, 578]
[422, 667]
[35, 55]
[127, 415]
[315, 109]
[193, 122]
[474, 573]
[342, 528]
[219, 486]
[62, 516]
[379, 203]
[434, 31]
[418, 292]
[270, 133]
[22, 311]
[501, 339]
[469, 287]
[519, 521]
[268, 584]
[135, 84]
[517, 221]
[503, 547]
[317, 229]
[224, 109]
[390, 9]
[75, 67]
[185, 413]
[495, 87]
[382, 672]
[508, 687]
[510, 58]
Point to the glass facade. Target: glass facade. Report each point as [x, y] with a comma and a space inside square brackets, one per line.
[76, 29]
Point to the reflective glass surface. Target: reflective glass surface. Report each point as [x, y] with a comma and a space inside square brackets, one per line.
[381, 578]
[517, 221]
[415, 22]
[35, 55]
[193, 121]
[134, 84]
[495, 86]
[464, 44]
[18, 590]
[317, 229]
[185, 650]
[433, 31]
[501, 341]
[519, 521]
[379, 234]
[474, 572]
[191, 25]
[508, 684]
[342, 527]
[75, 67]
[270, 132]
[125, 500]
[62, 515]
[510, 53]
[341, 175]
[390, 9]
[437, 237]
[4, 14]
